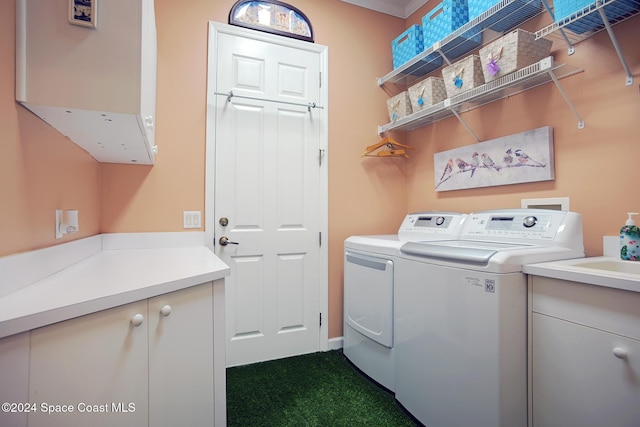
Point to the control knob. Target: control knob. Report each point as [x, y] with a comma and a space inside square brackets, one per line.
[530, 221]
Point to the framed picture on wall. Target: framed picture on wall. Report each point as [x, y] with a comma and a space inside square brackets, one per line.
[83, 13]
[513, 159]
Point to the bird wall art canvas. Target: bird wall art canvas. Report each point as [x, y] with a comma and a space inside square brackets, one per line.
[513, 159]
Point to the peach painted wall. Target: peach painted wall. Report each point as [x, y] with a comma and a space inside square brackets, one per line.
[40, 170]
[594, 166]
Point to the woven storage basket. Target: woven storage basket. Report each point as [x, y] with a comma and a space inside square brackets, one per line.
[445, 18]
[511, 52]
[462, 76]
[407, 45]
[399, 106]
[426, 93]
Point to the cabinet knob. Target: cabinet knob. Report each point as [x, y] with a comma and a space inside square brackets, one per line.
[620, 353]
[148, 122]
[166, 310]
[137, 320]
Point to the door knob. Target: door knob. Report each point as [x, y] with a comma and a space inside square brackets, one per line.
[224, 241]
[224, 221]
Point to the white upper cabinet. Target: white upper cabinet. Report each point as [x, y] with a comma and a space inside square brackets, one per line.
[96, 86]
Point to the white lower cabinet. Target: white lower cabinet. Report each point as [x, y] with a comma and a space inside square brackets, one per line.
[585, 364]
[145, 363]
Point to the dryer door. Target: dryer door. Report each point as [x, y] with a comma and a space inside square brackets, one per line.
[368, 296]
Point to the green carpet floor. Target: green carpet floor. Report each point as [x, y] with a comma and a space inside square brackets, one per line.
[320, 389]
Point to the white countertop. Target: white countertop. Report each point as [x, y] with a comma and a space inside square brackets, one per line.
[576, 270]
[106, 279]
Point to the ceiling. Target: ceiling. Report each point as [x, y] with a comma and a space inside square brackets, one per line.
[400, 8]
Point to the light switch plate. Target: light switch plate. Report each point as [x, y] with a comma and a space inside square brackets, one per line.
[191, 219]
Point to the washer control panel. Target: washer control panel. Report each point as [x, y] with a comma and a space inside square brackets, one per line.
[536, 224]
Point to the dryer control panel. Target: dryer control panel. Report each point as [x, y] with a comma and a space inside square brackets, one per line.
[425, 225]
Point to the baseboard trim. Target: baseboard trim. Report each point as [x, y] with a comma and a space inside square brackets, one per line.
[336, 343]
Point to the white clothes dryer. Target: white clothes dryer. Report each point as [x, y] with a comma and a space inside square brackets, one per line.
[369, 277]
[461, 316]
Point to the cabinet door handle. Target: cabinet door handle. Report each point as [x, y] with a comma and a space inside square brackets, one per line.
[137, 320]
[148, 122]
[165, 310]
[620, 353]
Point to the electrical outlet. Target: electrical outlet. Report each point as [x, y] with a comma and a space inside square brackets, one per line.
[191, 219]
[58, 223]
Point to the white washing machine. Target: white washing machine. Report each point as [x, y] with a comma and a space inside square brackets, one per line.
[461, 316]
[369, 277]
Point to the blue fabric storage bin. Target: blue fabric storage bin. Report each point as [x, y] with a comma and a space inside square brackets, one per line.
[511, 13]
[407, 45]
[614, 11]
[445, 18]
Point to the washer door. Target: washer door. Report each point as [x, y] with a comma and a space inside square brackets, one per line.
[368, 296]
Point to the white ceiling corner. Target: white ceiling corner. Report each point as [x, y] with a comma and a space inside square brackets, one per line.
[412, 6]
[399, 8]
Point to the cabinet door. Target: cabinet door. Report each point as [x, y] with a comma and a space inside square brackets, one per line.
[577, 379]
[181, 358]
[95, 364]
[14, 379]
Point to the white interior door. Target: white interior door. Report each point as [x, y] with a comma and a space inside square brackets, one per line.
[268, 192]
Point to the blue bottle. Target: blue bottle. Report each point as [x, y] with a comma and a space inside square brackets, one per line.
[630, 240]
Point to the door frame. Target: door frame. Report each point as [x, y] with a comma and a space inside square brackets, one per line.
[216, 28]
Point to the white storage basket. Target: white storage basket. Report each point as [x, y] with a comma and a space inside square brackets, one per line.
[511, 52]
[426, 93]
[462, 76]
[399, 106]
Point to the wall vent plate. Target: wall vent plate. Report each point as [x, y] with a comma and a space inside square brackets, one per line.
[555, 203]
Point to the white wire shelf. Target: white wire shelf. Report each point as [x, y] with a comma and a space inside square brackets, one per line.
[553, 32]
[572, 30]
[506, 15]
[584, 23]
[526, 78]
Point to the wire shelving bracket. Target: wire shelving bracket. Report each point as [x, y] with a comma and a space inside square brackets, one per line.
[560, 29]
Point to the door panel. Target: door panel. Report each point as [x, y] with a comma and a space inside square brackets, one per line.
[246, 318]
[267, 183]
